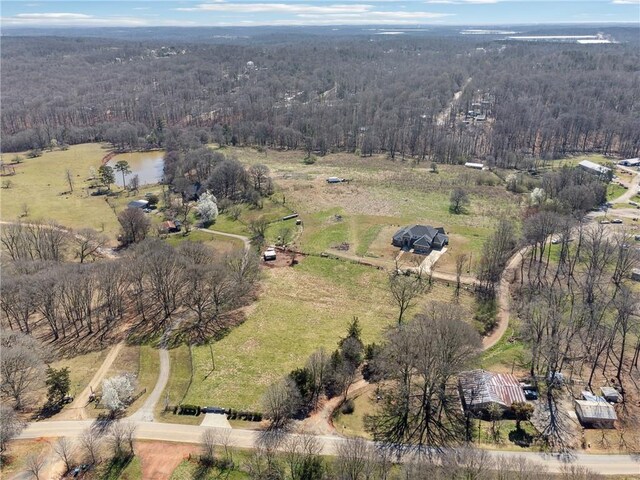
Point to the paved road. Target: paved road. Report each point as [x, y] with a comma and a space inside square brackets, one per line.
[145, 412]
[604, 464]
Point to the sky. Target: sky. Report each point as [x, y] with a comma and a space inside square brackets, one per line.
[145, 13]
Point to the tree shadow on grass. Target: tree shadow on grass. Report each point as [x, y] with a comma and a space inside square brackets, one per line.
[521, 438]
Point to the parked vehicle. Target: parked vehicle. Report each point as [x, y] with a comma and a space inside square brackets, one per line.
[269, 254]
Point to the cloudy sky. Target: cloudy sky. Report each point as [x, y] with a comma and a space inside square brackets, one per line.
[313, 12]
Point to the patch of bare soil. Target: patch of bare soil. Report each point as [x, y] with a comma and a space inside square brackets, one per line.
[320, 422]
[283, 259]
[160, 459]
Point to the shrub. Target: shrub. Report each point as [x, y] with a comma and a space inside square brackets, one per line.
[309, 160]
[348, 407]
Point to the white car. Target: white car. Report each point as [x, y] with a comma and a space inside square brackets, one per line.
[269, 254]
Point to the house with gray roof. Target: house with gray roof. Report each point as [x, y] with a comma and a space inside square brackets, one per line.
[420, 238]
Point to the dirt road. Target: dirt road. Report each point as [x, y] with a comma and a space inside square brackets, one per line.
[77, 409]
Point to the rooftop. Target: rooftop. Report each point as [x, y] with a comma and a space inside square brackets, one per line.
[480, 387]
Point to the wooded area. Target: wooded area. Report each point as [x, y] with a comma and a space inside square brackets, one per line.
[392, 95]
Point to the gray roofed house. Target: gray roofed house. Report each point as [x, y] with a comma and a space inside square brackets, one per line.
[480, 389]
[422, 238]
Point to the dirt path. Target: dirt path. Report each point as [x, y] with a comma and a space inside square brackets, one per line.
[77, 409]
[443, 116]
[633, 186]
[320, 422]
[245, 240]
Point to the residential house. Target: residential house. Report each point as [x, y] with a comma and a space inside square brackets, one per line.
[420, 238]
[480, 389]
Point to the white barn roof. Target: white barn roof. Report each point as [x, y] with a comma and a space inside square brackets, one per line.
[594, 167]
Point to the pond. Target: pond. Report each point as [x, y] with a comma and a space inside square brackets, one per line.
[147, 165]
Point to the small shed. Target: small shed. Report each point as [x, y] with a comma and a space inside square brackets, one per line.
[477, 166]
[610, 394]
[635, 274]
[170, 226]
[335, 180]
[596, 413]
[138, 204]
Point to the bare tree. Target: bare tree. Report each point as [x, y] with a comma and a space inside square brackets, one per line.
[461, 259]
[351, 460]
[134, 226]
[302, 456]
[88, 244]
[280, 402]
[90, 441]
[21, 366]
[405, 290]
[420, 358]
[65, 450]
[10, 426]
[68, 176]
[34, 464]
[258, 229]
[121, 438]
[208, 442]
[458, 200]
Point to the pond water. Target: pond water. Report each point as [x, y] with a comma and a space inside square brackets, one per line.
[147, 165]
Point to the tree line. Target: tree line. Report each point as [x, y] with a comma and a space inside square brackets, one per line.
[343, 94]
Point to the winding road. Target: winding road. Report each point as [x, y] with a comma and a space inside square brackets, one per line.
[148, 429]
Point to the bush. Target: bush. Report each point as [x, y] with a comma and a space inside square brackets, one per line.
[348, 407]
[309, 160]
[189, 410]
[486, 315]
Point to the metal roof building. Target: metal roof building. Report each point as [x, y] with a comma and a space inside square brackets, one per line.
[597, 413]
[594, 168]
[479, 389]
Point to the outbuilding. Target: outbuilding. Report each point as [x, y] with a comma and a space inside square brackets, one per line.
[596, 413]
[594, 168]
[630, 162]
[610, 394]
[476, 166]
[138, 204]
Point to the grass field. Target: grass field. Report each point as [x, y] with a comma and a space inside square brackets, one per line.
[81, 369]
[300, 310]
[40, 183]
[614, 191]
[381, 196]
[219, 243]
[142, 361]
[352, 425]
[189, 470]
[179, 381]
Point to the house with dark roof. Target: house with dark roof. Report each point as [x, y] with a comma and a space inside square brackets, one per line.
[480, 389]
[420, 238]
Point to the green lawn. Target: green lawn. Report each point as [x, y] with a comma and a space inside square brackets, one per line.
[300, 310]
[40, 183]
[220, 243]
[506, 355]
[179, 381]
[614, 191]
